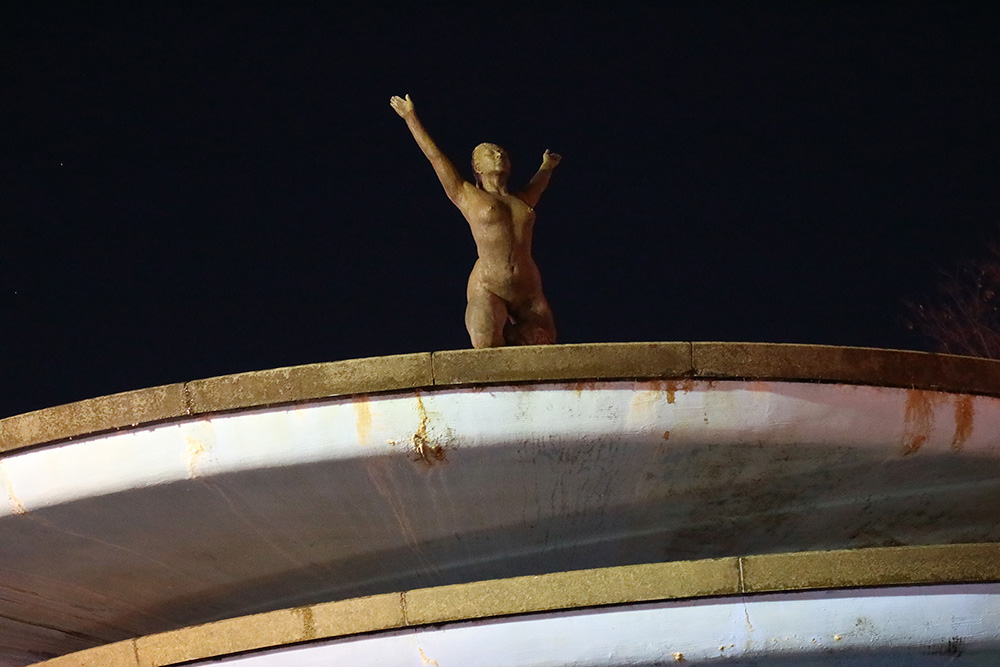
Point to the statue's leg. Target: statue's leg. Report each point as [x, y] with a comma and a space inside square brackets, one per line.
[484, 318]
[533, 324]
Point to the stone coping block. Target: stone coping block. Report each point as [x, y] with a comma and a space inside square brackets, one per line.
[527, 364]
[871, 567]
[848, 365]
[312, 381]
[856, 568]
[535, 363]
[105, 413]
[119, 654]
[567, 590]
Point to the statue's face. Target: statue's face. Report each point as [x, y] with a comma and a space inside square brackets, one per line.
[490, 159]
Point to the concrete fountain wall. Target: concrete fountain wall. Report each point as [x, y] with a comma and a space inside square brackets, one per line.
[611, 488]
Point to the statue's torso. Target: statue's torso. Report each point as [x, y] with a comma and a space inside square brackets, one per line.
[502, 227]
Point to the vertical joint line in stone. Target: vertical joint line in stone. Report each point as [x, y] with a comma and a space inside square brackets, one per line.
[743, 588]
[402, 605]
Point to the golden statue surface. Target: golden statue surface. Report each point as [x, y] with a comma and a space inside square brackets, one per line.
[506, 305]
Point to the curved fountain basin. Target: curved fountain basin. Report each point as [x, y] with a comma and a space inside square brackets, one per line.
[874, 606]
[907, 626]
[243, 502]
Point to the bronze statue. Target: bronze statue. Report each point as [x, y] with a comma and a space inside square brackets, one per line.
[506, 304]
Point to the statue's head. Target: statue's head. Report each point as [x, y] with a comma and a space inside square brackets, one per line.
[489, 159]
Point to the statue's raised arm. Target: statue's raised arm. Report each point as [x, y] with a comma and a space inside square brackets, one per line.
[451, 180]
[536, 186]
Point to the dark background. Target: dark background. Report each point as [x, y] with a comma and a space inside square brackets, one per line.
[187, 192]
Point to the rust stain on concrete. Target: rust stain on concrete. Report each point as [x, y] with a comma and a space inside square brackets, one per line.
[650, 392]
[918, 418]
[585, 385]
[192, 454]
[428, 452]
[965, 413]
[424, 660]
[666, 435]
[643, 404]
[16, 506]
[671, 387]
[363, 420]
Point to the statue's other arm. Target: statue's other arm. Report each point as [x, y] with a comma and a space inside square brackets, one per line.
[536, 186]
[451, 180]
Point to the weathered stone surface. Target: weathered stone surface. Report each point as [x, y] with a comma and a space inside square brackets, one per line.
[590, 361]
[301, 383]
[345, 617]
[959, 563]
[119, 654]
[567, 590]
[93, 415]
[852, 365]
[230, 636]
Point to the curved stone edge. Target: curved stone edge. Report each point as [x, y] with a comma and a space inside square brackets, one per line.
[591, 361]
[857, 568]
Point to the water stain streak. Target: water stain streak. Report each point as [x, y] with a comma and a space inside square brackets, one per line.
[918, 419]
[965, 413]
[363, 420]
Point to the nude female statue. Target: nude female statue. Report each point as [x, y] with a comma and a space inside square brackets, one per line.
[506, 304]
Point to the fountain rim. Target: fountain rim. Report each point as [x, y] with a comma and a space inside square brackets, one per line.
[855, 569]
[500, 366]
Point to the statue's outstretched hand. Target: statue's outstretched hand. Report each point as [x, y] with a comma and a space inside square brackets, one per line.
[550, 159]
[404, 107]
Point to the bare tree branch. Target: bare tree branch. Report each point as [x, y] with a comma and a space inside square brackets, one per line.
[963, 315]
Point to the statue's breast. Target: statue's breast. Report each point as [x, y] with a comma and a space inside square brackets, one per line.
[522, 209]
[494, 211]
[504, 217]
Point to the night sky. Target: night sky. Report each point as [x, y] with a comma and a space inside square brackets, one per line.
[188, 192]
